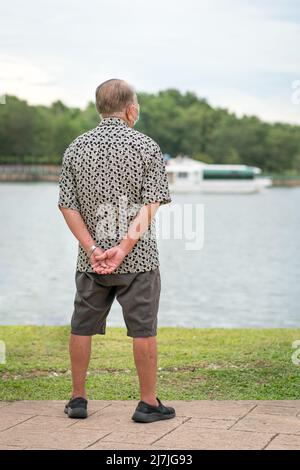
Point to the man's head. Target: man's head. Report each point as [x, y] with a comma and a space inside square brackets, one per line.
[116, 98]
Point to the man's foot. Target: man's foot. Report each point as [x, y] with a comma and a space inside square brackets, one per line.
[76, 408]
[145, 413]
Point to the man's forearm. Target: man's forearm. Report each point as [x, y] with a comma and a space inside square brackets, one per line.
[77, 226]
[139, 226]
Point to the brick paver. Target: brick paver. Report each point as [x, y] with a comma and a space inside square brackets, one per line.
[199, 424]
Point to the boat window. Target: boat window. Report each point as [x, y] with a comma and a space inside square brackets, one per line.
[224, 173]
[182, 174]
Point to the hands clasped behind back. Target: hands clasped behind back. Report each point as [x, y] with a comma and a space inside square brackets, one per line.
[107, 261]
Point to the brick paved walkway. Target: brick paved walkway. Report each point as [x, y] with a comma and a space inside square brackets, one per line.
[198, 425]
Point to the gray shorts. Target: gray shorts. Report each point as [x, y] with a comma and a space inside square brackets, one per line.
[137, 293]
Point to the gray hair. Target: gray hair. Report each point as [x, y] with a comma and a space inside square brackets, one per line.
[113, 96]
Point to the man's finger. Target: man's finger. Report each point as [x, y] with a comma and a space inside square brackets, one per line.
[100, 265]
[105, 270]
[102, 256]
[100, 261]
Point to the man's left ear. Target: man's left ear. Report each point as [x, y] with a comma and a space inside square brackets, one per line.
[129, 115]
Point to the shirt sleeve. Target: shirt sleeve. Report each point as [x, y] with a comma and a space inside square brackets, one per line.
[155, 186]
[67, 187]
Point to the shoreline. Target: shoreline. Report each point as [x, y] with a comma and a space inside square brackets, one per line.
[15, 173]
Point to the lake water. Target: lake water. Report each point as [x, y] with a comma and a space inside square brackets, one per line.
[247, 273]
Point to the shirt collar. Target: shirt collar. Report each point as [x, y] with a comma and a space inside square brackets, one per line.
[112, 120]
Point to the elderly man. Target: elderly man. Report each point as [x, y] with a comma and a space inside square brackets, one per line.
[112, 181]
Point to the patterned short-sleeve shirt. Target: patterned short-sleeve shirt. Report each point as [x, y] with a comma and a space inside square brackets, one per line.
[107, 174]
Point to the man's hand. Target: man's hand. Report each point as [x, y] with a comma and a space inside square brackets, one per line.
[109, 260]
[93, 259]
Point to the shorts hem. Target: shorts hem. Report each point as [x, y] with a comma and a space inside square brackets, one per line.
[87, 333]
[141, 334]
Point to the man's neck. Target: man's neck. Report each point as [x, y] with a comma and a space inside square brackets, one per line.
[120, 117]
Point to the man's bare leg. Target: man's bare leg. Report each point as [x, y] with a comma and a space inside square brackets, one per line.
[145, 357]
[80, 353]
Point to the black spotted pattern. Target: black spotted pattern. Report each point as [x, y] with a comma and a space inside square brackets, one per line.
[107, 174]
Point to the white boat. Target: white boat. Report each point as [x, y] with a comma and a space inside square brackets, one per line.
[186, 175]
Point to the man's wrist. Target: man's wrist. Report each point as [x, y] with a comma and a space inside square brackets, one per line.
[91, 250]
[127, 244]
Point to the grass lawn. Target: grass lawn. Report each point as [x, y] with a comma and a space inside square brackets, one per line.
[194, 364]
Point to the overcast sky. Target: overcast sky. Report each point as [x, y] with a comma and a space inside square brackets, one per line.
[239, 54]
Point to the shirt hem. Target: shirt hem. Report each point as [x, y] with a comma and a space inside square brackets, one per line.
[90, 270]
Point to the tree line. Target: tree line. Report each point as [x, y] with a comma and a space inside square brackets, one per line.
[180, 123]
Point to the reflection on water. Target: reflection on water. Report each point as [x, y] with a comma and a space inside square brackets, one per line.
[246, 275]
